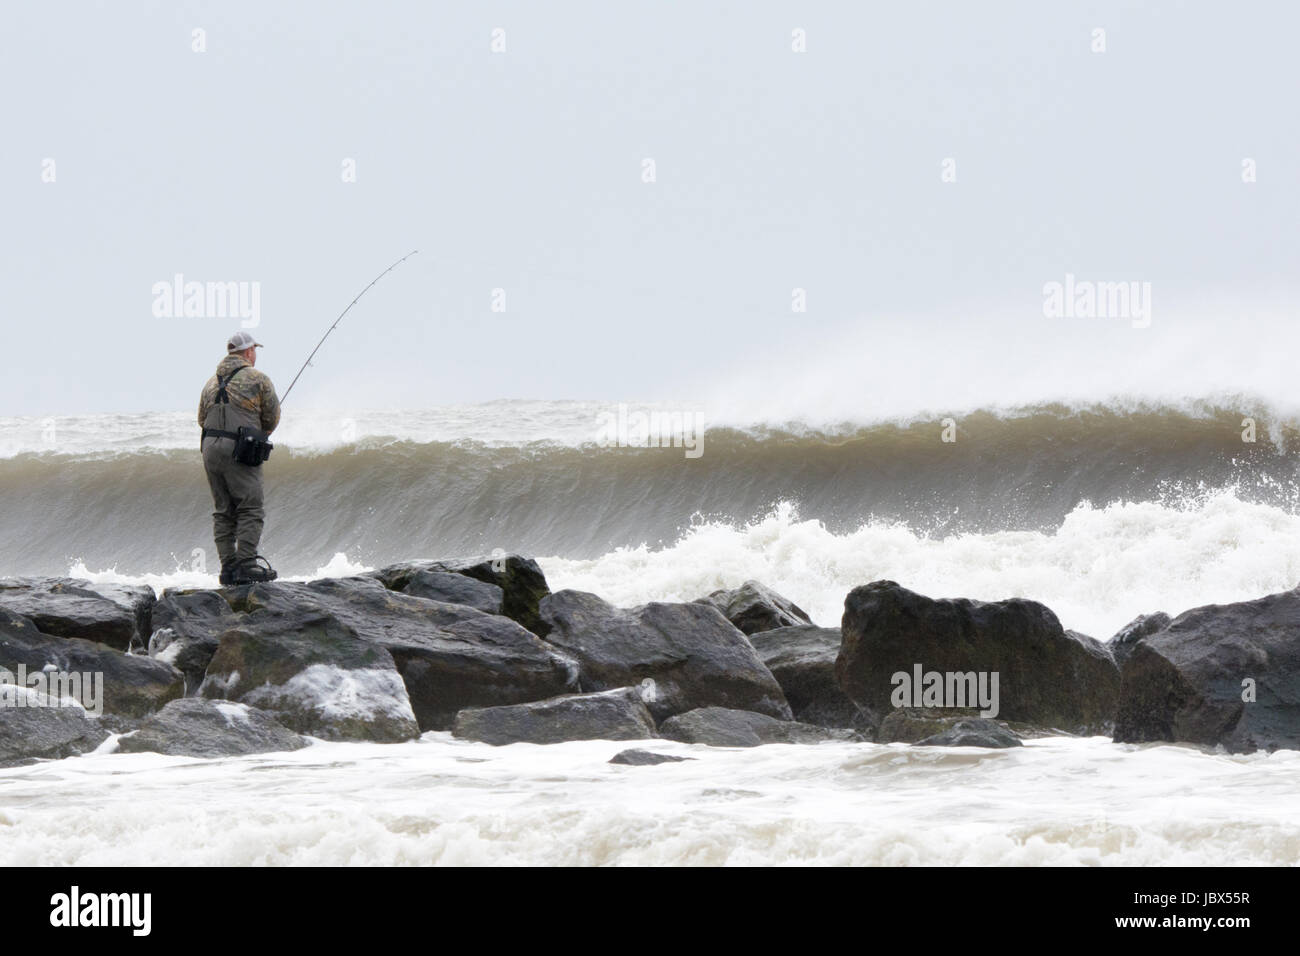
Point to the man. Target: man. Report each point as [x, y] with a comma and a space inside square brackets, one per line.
[238, 395]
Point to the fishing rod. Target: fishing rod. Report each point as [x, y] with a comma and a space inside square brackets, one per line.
[340, 319]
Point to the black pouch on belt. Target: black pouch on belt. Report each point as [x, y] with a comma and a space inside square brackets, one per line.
[251, 446]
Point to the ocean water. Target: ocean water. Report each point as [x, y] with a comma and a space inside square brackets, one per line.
[448, 802]
[1101, 510]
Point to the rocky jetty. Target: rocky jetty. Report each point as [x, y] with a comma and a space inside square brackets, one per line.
[691, 654]
[900, 648]
[723, 727]
[753, 607]
[197, 727]
[484, 650]
[609, 715]
[1224, 675]
[802, 659]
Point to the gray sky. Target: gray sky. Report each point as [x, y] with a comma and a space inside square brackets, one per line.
[522, 170]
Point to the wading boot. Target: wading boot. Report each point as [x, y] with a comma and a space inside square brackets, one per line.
[253, 572]
[227, 577]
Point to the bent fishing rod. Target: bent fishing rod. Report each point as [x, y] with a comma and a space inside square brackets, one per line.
[340, 319]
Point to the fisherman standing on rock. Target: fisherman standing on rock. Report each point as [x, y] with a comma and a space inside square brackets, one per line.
[238, 410]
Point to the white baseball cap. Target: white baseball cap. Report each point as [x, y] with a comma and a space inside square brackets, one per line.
[241, 340]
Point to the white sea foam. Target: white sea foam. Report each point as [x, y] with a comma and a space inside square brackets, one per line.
[444, 801]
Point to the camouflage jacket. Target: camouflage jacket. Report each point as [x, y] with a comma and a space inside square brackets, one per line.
[251, 390]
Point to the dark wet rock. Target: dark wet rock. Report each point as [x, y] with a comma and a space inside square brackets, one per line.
[450, 656]
[520, 579]
[610, 715]
[911, 725]
[42, 730]
[114, 614]
[754, 607]
[1186, 683]
[187, 628]
[196, 727]
[691, 653]
[132, 685]
[722, 727]
[1143, 626]
[973, 732]
[455, 589]
[644, 758]
[802, 659]
[1047, 677]
[315, 676]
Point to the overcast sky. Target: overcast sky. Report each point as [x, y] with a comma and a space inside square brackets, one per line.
[523, 170]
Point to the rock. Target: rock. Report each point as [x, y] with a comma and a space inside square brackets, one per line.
[644, 758]
[450, 657]
[195, 727]
[722, 727]
[187, 628]
[455, 589]
[1144, 625]
[32, 727]
[912, 725]
[316, 677]
[114, 614]
[520, 579]
[802, 659]
[694, 656]
[973, 732]
[754, 607]
[132, 685]
[1185, 684]
[1046, 676]
[611, 715]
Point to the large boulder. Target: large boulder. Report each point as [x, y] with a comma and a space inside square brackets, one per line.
[316, 677]
[1046, 677]
[520, 579]
[723, 727]
[114, 614]
[1141, 627]
[451, 657]
[610, 715]
[802, 659]
[455, 589]
[1221, 675]
[694, 656]
[196, 727]
[35, 727]
[754, 607]
[187, 628]
[131, 685]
